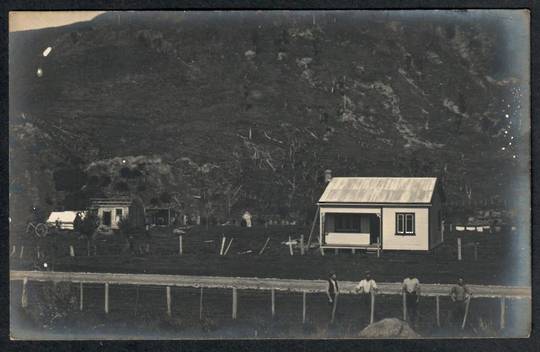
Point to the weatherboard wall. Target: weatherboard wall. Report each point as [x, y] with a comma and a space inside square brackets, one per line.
[393, 241]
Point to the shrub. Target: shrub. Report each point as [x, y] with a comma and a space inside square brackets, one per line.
[172, 323]
[125, 226]
[208, 324]
[105, 181]
[53, 303]
[165, 197]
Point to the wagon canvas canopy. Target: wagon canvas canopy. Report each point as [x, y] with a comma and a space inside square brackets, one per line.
[64, 218]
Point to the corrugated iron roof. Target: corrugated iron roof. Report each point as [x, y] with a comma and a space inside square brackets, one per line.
[379, 190]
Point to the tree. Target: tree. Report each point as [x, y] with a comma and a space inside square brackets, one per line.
[69, 179]
[121, 186]
[88, 228]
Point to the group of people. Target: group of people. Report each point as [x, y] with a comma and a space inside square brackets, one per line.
[459, 296]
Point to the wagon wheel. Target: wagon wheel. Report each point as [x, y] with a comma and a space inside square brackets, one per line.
[41, 230]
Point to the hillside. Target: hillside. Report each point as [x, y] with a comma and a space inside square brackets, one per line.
[249, 109]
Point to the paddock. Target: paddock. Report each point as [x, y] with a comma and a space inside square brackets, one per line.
[301, 302]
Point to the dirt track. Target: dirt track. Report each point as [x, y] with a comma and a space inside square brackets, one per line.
[311, 286]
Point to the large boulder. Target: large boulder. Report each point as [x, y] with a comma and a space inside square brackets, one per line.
[389, 328]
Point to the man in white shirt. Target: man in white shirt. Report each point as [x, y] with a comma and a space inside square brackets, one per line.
[366, 288]
[366, 285]
[411, 289]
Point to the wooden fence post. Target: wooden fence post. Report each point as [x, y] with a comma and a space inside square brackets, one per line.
[372, 316]
[234, 302]
[201, 304]
[443, 227]
[334, 306]
[273, 297]
[180, 249]
[22, 252]
[106, 298]
[466, 313]
[264, 247]
[81, 296]
[223, 239]
[228, 247]
[71, 251]
[459, 248]
[290, 246]
[303, 307]
[404, 305]
[301, 244]
[503, 313]
[437, 311]
[168, 291]
[136, 299]
[24, 294]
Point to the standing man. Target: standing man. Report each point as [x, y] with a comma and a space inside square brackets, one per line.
[77, 222]
[247, 218]
[411, 290]
[366, 288]
[460, 296]
[332, 292]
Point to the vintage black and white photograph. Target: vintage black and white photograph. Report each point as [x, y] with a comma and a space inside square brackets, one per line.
[274, 174]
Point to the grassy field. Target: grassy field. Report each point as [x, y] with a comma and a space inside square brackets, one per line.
[141, 311]
[498, 257]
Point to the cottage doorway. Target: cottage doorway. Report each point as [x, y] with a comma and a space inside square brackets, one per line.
[375, 229]
[107, 218]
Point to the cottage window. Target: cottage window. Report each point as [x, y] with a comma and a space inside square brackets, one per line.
[405, 224]
[348, 223]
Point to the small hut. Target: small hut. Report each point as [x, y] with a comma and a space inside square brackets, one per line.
[111, 210]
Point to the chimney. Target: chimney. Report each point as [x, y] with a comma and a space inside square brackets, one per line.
[327, 175]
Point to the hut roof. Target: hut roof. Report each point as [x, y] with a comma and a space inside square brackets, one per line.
[110, 202]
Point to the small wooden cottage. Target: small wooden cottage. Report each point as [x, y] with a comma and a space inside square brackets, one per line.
[383, 213]
[111, 210]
